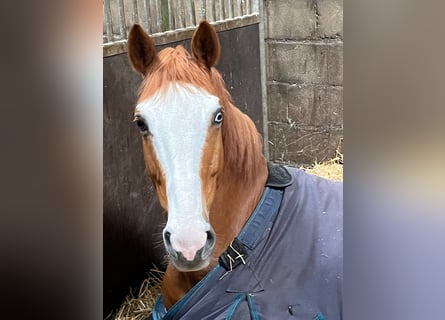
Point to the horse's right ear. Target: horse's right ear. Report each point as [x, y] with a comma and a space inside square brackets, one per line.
[205, 44]
[141, 49]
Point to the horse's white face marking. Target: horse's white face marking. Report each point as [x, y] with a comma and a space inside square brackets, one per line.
[178, 122]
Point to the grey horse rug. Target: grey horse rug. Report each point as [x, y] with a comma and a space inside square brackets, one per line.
[285, 264]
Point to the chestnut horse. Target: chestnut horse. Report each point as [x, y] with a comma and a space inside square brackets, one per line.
[202, 153]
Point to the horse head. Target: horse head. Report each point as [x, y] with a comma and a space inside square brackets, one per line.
[180, 113]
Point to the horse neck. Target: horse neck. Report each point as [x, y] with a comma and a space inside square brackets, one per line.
[234, 202]
[237, 194]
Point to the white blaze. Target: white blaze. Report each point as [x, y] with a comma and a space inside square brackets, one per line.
[178, 121]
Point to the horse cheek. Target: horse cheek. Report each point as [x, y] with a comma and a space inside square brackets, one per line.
[155, 172]
[211, 165]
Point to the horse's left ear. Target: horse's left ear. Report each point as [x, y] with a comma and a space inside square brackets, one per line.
[205, 44]
[141, 49]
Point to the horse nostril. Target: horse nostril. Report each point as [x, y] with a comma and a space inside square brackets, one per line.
[167, 240]
[211, 238]
[168, 244]
[210, 243]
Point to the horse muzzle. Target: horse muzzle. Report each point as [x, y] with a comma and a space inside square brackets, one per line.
[187, 255]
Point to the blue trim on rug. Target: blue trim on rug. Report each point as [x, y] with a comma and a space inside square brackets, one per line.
[160, 308]
[235, 304]
[252, 306]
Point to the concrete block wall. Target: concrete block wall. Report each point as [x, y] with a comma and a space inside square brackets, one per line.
[304, 79]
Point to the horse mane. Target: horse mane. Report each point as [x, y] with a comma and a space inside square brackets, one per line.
[241, 140]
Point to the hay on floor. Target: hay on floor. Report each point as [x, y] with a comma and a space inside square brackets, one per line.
[332, 169]
[139, 307]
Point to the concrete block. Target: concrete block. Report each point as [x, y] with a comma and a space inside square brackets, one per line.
[301, 104]
[302, 146]
[319, 106]
[317, 63]
[277, 102]
[290, 19]
[334, 64]
[330, 18]
[328, 106]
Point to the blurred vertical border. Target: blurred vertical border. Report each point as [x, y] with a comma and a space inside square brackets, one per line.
[394, 151]
[51, 159]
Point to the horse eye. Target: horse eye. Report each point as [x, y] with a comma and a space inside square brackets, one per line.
[141, 125]
[218, 117]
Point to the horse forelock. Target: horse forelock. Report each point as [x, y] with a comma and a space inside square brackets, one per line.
[242, 142]
[175, 65]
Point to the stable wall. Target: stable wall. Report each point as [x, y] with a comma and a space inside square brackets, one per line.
[304, 79]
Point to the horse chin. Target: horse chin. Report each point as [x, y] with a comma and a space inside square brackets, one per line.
[189, 266]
